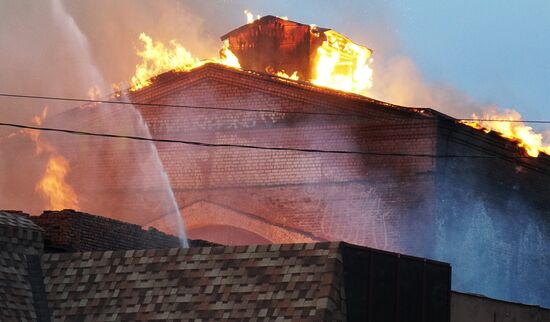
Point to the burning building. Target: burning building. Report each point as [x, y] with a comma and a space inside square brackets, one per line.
[273, 159]
[306, 52]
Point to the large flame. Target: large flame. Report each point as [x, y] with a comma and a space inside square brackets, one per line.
[339, 63]
[343, 65]
[509, 124]
[158, 58]
[58, 194]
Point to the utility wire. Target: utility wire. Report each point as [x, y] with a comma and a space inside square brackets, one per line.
[82, 100]
[243, 146]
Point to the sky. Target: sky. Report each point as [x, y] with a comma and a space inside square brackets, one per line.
[497, 52]
[458, 57]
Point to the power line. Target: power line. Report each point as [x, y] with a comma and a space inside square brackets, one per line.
[82, 100]
[244, 146]
[505, 120]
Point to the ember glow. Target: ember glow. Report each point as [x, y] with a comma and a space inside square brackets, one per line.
[516, 130]
[158, 58]
[293, 76]
[57, 193]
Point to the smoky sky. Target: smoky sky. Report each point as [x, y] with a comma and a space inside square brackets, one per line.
[62, 48]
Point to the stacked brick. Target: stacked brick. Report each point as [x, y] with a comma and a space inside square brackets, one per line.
[70, 230]
[19, 238]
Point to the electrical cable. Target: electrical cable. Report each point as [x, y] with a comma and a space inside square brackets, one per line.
[82, 100]
[244, 146]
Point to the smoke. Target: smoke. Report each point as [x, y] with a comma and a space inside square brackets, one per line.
[399, 81]
[70, 50]
[64, 48]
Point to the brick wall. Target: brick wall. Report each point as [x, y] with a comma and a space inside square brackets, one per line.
[366, 200]
[424, 206]
[493, 216]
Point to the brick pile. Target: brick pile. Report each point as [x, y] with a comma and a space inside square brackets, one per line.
[69, 230]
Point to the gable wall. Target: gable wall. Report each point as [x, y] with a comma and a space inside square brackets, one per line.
[360, 199]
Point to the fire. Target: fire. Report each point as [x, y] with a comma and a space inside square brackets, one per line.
[250, 16]
[293, 76]
[343, 65]
[117, 91]
[338, 62]
[158, 58]
[94, 93]
[53, 186]
[516, 130]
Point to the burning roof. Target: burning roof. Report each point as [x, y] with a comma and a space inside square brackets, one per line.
[271, 45]
[299, 51]
[307, 53]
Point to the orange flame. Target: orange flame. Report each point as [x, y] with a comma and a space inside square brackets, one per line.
[157, 59]
[517, 131]
[343, 65]
[293, 76]
[339, 63]
[53, 186]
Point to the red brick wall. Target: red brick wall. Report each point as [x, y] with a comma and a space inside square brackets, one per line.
[361, 199]
[475, 213]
